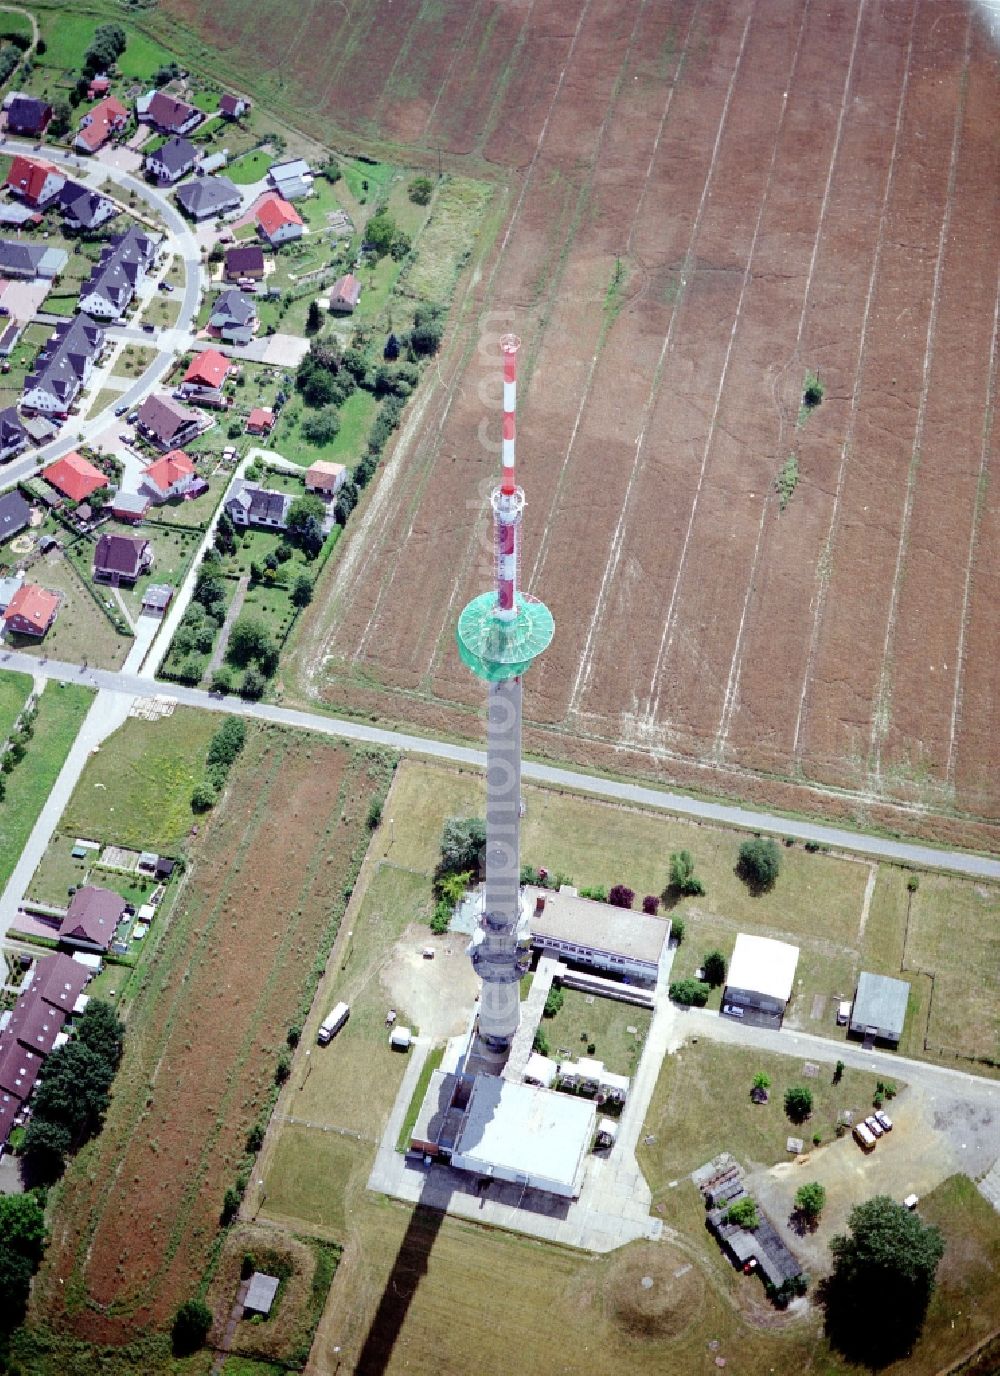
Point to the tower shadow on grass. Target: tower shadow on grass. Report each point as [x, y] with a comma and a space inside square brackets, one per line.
[412, 1260]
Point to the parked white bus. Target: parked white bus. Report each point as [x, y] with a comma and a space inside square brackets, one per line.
[332, 1024]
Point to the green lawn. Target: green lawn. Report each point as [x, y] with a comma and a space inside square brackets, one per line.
[67, 37]
[356, 417]
[81, 631]
[315, 208]
[246, 1366]
[272, 605]
[701, 1105]
[352, 1083]
[250, 168]
[11, 24]
[192, 513]
[137, 791]
[14, 691]
[61, 710]
[378, 176]
[584, 1020]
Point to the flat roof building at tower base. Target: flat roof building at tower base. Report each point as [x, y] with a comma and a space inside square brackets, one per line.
[526, 1136]
[501, 1130]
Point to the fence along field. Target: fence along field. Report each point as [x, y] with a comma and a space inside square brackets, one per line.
[139, 1208]
[774, 189]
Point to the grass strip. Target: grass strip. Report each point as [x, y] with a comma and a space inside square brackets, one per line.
[409, 1122]
[61, 710]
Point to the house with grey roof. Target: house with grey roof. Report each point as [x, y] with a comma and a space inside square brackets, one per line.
[120, 270]
[171, 161]
[168, 424]
[879, 1009]
[84, 209]
[208, 197]
[121, 558]
[18, 258]
[13, 436]
[292, 179]
[14, 514]
[249, 504]
[234, 315]
[28, 116]
[63, 366]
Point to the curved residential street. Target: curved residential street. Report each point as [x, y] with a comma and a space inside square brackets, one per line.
[180, 242]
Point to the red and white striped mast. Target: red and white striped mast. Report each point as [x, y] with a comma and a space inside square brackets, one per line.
[508, 500]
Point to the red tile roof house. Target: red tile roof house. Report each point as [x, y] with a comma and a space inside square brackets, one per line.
[346, 293]
[278, 220]
[121, 559]
[260, 421]
[172, 476]
[167, 114]
[325, 478]
[204, 378]
[35, 181]
[91, 918]
[106, 118]
[31, 611]
[74, 476]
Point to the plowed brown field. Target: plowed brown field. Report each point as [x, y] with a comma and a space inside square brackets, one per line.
[776, 187]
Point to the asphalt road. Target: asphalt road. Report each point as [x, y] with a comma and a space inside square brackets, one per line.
[878, 847]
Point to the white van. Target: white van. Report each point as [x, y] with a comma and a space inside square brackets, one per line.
[332, 1024]
[864, 1137]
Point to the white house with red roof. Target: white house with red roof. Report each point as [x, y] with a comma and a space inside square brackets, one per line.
[278, 220]
[204, 378]
[74, 476]
[35, 181]
[97, 126]
[172, 476]
[31, 611]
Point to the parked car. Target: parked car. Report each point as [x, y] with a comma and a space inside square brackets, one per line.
[874, 1126]
[164, 286]
[843, 1012]
[120, 410]
[884, 1119]
[428, 953]
[149, 329]
[864, 1138]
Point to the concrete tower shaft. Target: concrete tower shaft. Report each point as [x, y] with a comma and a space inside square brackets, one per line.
[501, 947]
[499, 636]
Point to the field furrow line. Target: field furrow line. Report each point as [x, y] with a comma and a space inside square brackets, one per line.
[538, 342]
[367, 540]
[586, 659]
[824, 562]
[736, 664]
[460, 51]
[883, 695]
[666, 639]
[977, 512]
[487, 296]
[543, 544]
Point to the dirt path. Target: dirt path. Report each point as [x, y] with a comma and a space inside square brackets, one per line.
[223, 1349]
[235, 608]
